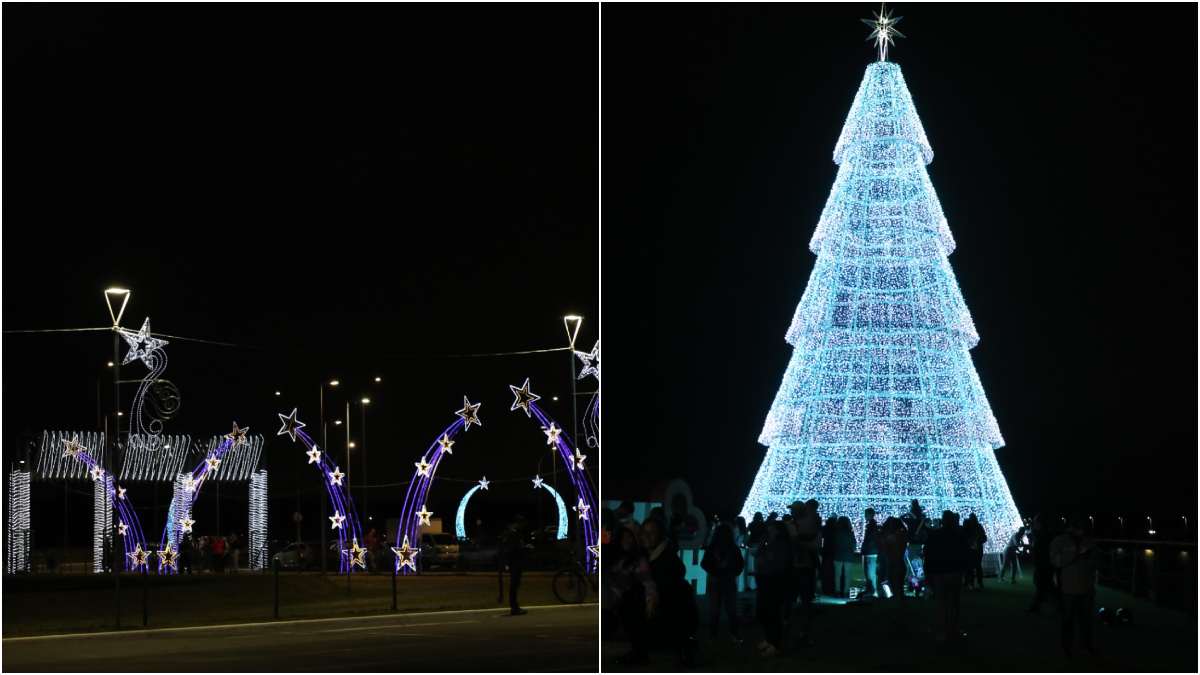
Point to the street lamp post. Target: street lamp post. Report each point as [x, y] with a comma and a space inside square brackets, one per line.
[571, 323]
[324, 446]
[114, 556]
[365, 492]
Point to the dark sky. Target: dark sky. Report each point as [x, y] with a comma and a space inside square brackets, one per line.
[1065, 162]
[355, 190]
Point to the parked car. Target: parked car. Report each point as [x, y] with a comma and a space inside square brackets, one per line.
[298, 555]
[439, 549]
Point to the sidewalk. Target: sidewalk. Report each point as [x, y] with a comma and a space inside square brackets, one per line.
[1002, 636]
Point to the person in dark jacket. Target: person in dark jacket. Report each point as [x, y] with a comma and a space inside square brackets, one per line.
[774, 563]
[673, 619]
[1040, 537]
[976, 538]
[844, 556]
[946, 559]
[513, 553]
[893, 542]
[634, 586]
[724, 563]
[870, 552]
[828, 548]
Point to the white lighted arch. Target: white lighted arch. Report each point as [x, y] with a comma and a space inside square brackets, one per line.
[460, 519]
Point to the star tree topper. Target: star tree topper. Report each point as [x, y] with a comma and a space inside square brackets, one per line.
[469, 414]
[141, 344]
[290, 424]
[524, 397]
[884, 27]
[406, 556]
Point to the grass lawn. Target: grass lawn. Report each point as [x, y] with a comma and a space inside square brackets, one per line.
[1002, 636]
[45, 604]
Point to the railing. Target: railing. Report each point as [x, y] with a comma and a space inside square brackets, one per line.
[1162, 571]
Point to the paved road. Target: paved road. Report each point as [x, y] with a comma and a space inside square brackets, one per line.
[551, 638]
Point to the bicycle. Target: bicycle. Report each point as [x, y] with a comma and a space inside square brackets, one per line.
[571, 583]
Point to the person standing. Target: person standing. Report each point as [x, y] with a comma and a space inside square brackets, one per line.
[918, 531]
[844, 556]
[976, 538]
[774, 565]
[724, 563]
[828, 555]
[806, 560]
[635, 593]
[1072, 554]
[1043, 570]
[946, 557]
[870, 552]
[218, 553]
[675, 616]
[514, 557]
[893, 543]
[1010, 555]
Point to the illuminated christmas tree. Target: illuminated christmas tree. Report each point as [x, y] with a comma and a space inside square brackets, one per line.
[881, 403]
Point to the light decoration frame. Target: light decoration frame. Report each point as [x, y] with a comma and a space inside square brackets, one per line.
[417, 494]
[881, 403]
[460, 517]
[149, 350]
[580, 480]
[349, 528]
[104, 500]
[17, 514]
[258, 530]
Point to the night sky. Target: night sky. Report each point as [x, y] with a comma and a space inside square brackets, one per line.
[1065, 162]
[345, 192]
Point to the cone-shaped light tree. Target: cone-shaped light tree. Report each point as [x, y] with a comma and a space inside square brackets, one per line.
[881, 403]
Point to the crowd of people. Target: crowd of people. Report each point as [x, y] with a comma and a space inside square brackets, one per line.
[787, 561]
[213, 554]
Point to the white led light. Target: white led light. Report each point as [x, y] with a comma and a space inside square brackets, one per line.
[258, 520]
[469, 414]
[18, 522]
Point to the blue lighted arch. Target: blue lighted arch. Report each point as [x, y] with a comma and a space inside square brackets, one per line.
[460, 519]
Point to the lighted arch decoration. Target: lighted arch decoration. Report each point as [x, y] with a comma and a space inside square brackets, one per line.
[591, 415]
[460, 519]
[187, 491]
[417, 495]
[344, 518]
[585, 509]
[129, 526]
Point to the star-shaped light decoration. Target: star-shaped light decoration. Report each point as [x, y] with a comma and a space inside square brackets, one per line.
[335, 476]
[212, 463]
[406, 556]
[122, 528]
[469, 414]
[120, 493]
[138, 556]
[186, 524]
[582, 509]
[883, 28]
[356, 553]
[290, 424]
[141, 344]
[446, 443]
[524, 397]
[189, 483]
[97, 472]
[238, 436]
[579, 460]
[595, 549]
[167, 556]
[537, 482]
[483, 483]
[591, 362]
[73, 447]
[422, 467]
[337, 519]
[552, 433]
[314, 455]
[423, 516]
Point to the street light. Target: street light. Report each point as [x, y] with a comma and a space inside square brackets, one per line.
[324, 444]
[278, 393]
[378, 379]
[110, 364]
[110, 294]
[334, 383]
[338, 422]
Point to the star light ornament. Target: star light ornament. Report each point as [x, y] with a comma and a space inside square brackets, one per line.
[524, 397]
[120, 493]
[422, 467]
[138, 556]
[212, 463]
[483, 483]
[290, 424]
[337, 519]
[186, 524]
[884, 27]
[122, 528]
[167, 556]
[552, 433]
[446, 444]
[189, 484]
[356, 553]
[591, 362]
[97, 473]
[537, 482]
[314, 455]
[238, 436]
[579, 460]
[141, 344]
[406, 556]
[469, 414]
[582, 509]
[595, 549]
[424, 515]
[73, 447]
[335, 476]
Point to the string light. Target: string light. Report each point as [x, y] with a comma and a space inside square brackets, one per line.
[18, 521]
[460, 516]
[418, 489]
[101, 525]
[563, 521]
[258, 520]
[523, 397]
[881, 402]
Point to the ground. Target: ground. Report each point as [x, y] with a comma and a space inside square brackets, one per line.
[1002, 636]
[45, 604]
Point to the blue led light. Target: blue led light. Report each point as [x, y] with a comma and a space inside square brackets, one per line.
[881, 403]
